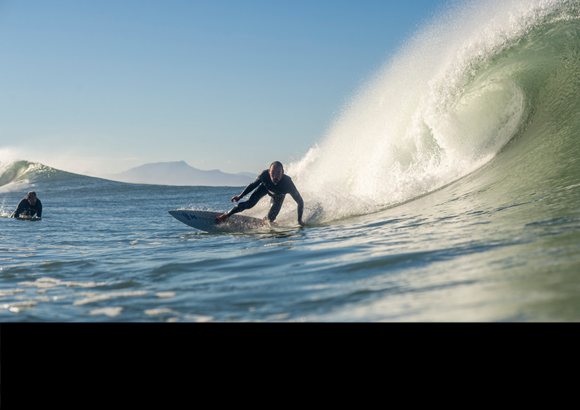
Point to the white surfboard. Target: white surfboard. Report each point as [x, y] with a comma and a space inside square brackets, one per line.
[23, 218]
[205, 221]
[29, 218]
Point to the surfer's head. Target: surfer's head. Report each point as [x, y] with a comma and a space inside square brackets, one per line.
[276, 171]
[31, 197]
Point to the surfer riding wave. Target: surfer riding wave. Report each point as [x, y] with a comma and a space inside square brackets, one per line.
[270, 182]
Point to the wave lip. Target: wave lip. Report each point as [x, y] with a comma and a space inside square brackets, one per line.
[21, 170]
[13, 172]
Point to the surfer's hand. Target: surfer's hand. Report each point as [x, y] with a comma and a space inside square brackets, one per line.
[236, 198]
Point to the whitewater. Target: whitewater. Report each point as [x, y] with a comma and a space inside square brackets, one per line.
[448, 189]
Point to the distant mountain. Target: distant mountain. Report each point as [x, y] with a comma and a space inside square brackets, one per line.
[179, 173]
[248, 174]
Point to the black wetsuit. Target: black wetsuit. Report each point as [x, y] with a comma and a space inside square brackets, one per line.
[277, 192]
[25, 209]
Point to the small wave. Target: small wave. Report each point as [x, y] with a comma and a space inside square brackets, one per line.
[21, 171]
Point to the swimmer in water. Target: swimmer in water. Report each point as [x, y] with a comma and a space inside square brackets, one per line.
[28, 207]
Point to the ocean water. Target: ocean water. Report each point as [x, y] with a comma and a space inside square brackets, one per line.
[447, 190]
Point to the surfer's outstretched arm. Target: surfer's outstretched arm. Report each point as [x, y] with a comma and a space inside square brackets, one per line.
[242, 206]
[299, 201]
[245, 205]
[250, 203]
[248, 189]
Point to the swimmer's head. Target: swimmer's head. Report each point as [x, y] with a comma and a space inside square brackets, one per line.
[31, 197]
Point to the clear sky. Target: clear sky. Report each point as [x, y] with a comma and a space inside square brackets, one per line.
[102, 86]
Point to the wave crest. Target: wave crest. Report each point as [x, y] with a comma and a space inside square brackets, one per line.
[21, 170]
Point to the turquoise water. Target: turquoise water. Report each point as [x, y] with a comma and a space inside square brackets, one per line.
[458, 200]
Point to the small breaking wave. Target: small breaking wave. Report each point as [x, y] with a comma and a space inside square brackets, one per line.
[23, 171]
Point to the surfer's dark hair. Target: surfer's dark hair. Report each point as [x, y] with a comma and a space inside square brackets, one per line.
[30, 193]
[277, 164]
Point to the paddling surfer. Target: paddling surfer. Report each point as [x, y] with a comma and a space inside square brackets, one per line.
[28, 207]
[270, 182]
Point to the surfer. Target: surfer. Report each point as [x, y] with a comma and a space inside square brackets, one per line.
[28, 207]
[270, 182]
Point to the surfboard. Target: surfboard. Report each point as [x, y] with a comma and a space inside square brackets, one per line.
[205, 221]
[29, 218]
[23, 218]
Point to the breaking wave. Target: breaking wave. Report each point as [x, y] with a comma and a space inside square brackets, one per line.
[481, 78]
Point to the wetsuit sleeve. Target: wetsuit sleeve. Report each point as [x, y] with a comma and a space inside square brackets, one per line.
[38, 208]
[19, 209]
[252, 186]
[296, 196]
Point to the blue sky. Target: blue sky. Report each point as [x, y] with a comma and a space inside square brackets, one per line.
[101, 86]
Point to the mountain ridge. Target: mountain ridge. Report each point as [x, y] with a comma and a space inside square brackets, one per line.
[180, 173]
